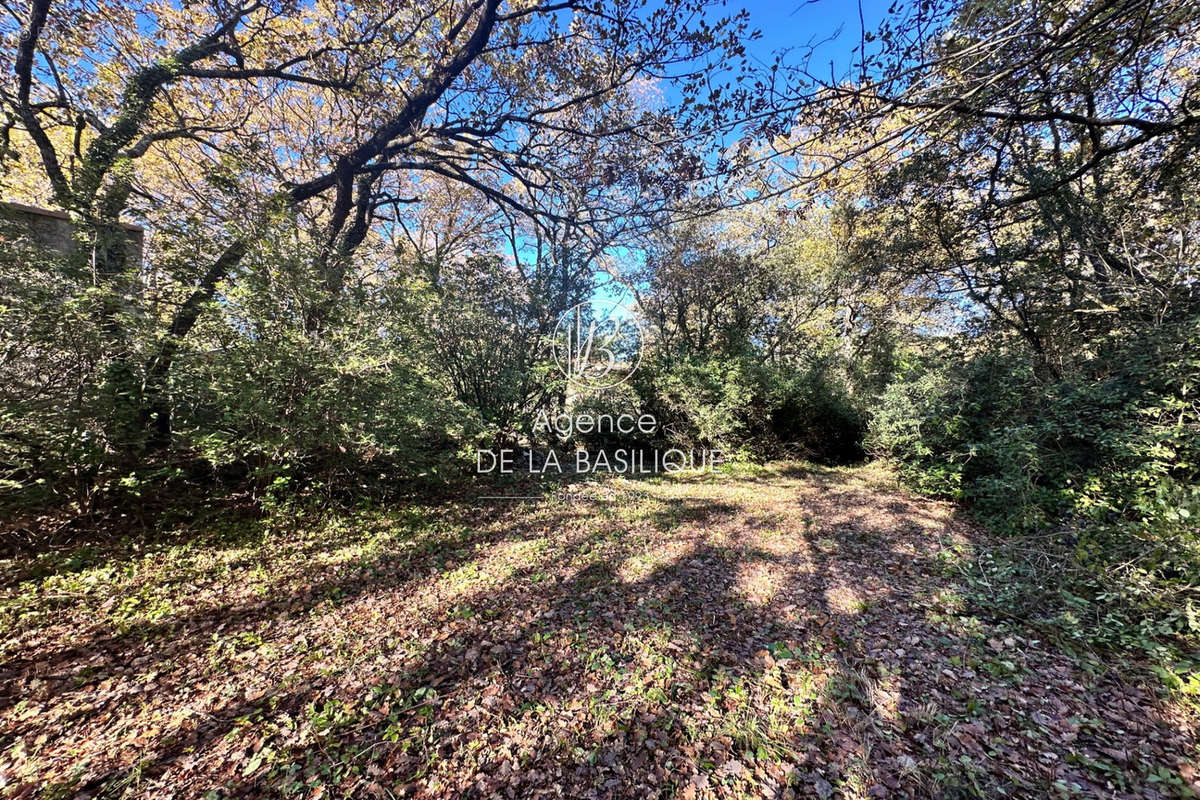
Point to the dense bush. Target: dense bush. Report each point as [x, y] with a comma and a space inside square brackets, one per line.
[716, 403]
[1103, 461]
[816, 411]
[335, 411]
[751, 409]
[257, 393]
[58, 418]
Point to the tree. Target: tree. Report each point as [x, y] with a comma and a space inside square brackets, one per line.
[235, 115]
[1031, 158]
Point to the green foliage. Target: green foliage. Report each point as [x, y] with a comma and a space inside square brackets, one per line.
[56, 384]
[275, 382]
[483, 331]
[611, 402]
[754, 410]
[264, 391]
[1098, 469]
[817, 411]
[916, 423]
[713, 402]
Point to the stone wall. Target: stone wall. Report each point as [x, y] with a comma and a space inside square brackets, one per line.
[53, 230]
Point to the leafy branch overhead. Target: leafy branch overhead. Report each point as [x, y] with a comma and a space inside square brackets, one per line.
[518, 104]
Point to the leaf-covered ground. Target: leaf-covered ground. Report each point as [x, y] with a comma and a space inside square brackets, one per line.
[777, 632]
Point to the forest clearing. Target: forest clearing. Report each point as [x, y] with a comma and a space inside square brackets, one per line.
[770, 631]
[599, 399]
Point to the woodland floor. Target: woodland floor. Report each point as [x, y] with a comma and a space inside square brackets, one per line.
[772, 632]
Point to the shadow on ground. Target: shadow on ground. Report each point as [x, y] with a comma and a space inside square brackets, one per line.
[776, 633]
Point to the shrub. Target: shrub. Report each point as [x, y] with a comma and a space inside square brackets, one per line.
[57, 415]
[755, 410]
[345, 409]
[1104, 458]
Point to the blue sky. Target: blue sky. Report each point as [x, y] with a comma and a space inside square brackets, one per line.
[831, 28]
[795, 23]
[788, 25]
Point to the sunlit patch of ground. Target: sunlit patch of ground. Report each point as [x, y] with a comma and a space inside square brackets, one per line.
[778, 631]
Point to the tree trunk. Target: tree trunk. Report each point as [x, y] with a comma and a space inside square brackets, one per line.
[154, 417]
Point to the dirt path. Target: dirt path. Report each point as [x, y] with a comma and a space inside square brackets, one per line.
[773, 633]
